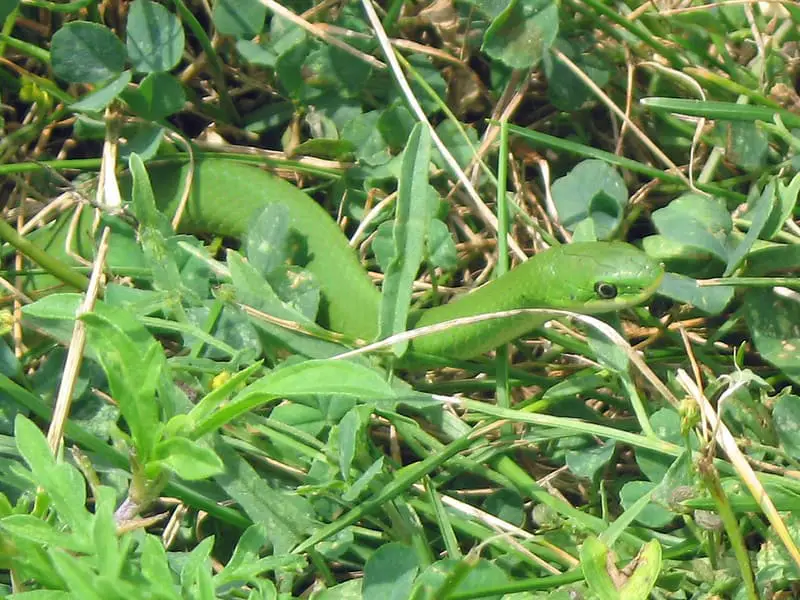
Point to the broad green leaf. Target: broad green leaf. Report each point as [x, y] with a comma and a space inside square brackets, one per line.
[313, 377]
[326, 377]
[371, 148]
[307, 419]
[60, 307]
[587, 462]
[299, 288]
[155, 37]
[110, 551]
[593, 191]
[286, 517]
[197, 562]
[98, 100]
[187, 459]
[268, 237]
[335, 69]
[156, 237]
[5, 506]
[441, 248]
[231, 335]
[142, 138]
[383, 245]
[56, 314]
[62, 482]
[786, 420]
[683, 259]
[333, 149]
[283, 34]
[159, 95]
[389, 573]
[409, 233]
[257, 54]
[667, 425]
[363, 482]
[218, 395]
[34, 529]
[626, 520]
[773, 259]
[246, 564]
[784, 206]
[395, 125]
[565, 89]
[426, 69]
[155, 568]
[773, 561]
[462, 142]
[289, 71]
[594, 561]
[507, 505]
[84, 52]
[696, 220]
[652, 515]
[521, 34]
[711, 300]
[352, 438]
[252, 290]
[270, 245]
[472, 576]
[241, 19]
[759, 213]
[747, 144]
[648, 566]
[491, 8]
[6, 8]
[349, 590]
[143, 199]
[10, 366]
[774, 324]
[679, 475]
[80, 577]
[267, 117]
[133, 370]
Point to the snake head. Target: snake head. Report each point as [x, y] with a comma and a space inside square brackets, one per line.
[597, 277]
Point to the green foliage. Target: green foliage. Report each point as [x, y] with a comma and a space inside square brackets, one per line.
[389, 573]
[7, 7]
[78, 553]
[773, 323]
[208, 372]
[99, 100]
[409, 233]
[591, 200]
[155, 38]
[86, 53]
[521, 34]
[239, 19]
[609, 583]
[587, 462]
[159, 95]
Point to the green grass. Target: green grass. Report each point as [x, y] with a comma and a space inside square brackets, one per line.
[204, 448]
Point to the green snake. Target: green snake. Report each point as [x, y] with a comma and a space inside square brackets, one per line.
[226, 196]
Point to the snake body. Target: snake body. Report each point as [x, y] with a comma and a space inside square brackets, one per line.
[227, 196]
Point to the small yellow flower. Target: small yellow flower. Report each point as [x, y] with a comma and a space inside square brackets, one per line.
[220, 379]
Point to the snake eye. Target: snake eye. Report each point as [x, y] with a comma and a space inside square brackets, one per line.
[606, 291]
